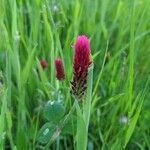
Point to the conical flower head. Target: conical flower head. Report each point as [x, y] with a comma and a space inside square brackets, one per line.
[44, 64]
[80, 66]
[60, 73]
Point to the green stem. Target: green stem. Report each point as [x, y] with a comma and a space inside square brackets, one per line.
[83, 117]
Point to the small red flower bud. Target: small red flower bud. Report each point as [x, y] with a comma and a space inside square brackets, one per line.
[60, 74]
[44, 64]
[80, 66]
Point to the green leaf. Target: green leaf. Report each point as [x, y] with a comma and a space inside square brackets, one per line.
[54, 111]
[46, 132]
[71, 125]
[21, 139]
[132, 126]
[133, 123]
[43, 78]
[87, 105]
[28, 67]
[81, 129]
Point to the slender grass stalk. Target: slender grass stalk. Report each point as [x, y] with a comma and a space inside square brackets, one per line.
[101, 71]
[132, 58]
[134, 120]
[2, 120]
[43, 78]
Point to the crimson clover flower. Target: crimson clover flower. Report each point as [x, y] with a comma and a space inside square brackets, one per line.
[60, 73]
[44, 64]
[80, 66]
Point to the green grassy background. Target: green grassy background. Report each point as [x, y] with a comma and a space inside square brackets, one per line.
[119, 31]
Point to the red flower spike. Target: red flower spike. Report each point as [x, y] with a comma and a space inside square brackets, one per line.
[80, 66]
[44, 64]
[60, 74]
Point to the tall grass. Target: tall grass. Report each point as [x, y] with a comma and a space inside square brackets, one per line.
[119, 33]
